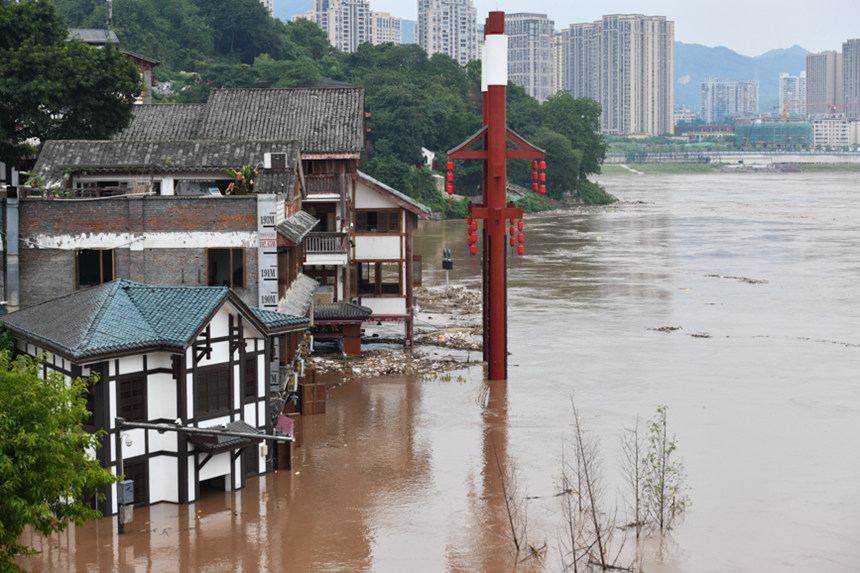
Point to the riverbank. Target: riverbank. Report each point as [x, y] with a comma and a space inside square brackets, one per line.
[700, 168]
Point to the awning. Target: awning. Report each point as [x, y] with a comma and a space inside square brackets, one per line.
[217, 444]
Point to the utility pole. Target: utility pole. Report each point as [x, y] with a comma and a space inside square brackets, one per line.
[494, 210]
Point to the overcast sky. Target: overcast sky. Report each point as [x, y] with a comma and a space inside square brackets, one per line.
[749, 27]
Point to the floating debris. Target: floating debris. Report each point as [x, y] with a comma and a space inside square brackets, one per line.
[375, 363]
[666, 328]
[741, 279]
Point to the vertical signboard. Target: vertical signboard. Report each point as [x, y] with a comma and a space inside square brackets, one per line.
[267, 253]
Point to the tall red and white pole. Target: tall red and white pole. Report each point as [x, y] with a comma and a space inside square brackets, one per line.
[494, 210]
[494, 78]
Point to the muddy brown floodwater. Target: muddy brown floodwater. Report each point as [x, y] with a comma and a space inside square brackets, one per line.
[730, 298]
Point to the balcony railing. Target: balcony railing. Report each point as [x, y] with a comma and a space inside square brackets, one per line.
[326, 243]
[323, 185]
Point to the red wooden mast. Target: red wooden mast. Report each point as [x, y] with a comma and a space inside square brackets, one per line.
[494, 210]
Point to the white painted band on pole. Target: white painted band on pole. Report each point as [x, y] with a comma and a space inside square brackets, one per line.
[495, 60]
[483, 67]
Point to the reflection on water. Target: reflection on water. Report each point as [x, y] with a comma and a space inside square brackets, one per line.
[759, 274]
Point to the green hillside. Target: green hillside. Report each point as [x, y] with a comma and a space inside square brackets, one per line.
[414, 101]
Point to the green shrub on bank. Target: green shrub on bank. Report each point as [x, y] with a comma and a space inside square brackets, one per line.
[592, 193]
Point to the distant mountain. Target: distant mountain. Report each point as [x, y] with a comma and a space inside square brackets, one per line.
[694, 63]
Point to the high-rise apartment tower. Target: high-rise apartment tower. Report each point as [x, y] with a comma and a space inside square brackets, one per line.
[824, 91]
[851, 77]
[448, 27]
[721, 98]
[792, 94]
[530, 41]
[626, 63]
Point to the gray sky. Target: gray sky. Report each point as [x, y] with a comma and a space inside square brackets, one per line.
[749, 27]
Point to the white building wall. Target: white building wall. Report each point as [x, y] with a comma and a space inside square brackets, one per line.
[378, 247]
[218, 465]
[166, 485]
[385, 306]
[161, 397]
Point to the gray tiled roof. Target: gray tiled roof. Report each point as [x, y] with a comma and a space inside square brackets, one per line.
[94, 36]
[297, 227]
[123, 316]
[145, 157]
[276, 181]
[155, 122]
[341, 311]
[323, 120]
[405, 200]
[299, 296]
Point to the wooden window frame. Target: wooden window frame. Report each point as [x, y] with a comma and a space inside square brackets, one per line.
[136, 411]
[250, 380]
[206, 402]
[362, 227]
[232, 253]
[417, 270]
[102, 277]
[378, 291]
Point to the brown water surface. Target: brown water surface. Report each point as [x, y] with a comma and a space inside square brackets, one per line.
[760, 274]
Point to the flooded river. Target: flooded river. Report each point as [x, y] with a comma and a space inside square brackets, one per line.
[755, 276]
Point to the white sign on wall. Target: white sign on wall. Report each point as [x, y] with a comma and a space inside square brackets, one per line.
[267, 252]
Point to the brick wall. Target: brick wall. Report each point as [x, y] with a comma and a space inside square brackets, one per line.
[48, 269]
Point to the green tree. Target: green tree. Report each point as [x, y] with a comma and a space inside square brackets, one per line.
[664, 489]
[51, 88]
[243, 29]
[47, 478]
[579, 121]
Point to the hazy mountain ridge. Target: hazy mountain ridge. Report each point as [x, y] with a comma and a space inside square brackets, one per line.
[694, 63]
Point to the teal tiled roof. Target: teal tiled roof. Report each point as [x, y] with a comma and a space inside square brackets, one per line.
[275, 320]
[122, 316]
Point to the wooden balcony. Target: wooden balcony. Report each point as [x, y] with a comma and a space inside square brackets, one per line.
[326, 243]
[316, 185]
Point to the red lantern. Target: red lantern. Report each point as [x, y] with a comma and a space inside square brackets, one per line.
[520, 225]
[474, 238]
[543, 189]
[450, 166]
[474, 249]
[469, 220]
[450, 189]
[512, 241]
[513, 230]
[534, 176]
[535, 187]
[474, 226]
[520, 237]
[534, 164]
[520, 249]
[542, 165]
[542, 177]
[450, 177]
